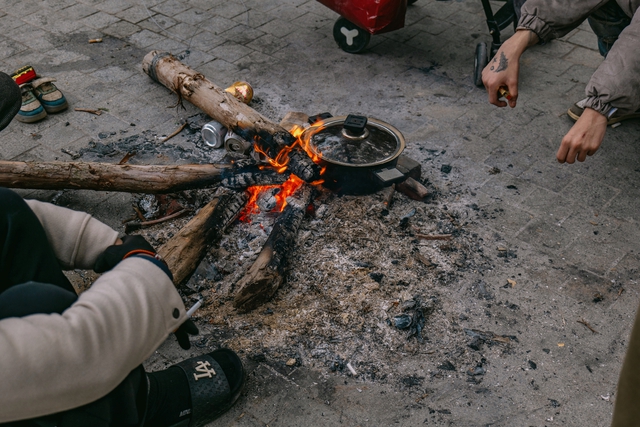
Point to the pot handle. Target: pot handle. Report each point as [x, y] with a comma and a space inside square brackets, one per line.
[388, 176]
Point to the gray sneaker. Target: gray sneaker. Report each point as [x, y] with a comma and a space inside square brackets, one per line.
[576, 111]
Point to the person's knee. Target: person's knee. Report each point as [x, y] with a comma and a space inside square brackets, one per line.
[11, 202]
[34, 297]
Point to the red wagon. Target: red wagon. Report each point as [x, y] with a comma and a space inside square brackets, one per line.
[361, 18]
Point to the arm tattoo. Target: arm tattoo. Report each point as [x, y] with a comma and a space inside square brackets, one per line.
[504, 63]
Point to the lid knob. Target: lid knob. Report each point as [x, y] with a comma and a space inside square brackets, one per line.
[355, 125]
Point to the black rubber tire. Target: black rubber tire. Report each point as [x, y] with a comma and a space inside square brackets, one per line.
[481, 61]
[349, 36]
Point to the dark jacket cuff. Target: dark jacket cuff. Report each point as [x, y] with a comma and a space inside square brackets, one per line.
[157, 262]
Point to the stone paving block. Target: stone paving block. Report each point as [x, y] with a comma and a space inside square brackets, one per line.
[229, 10]
[169, 7]
[205, 40]
[430, 25]
[134, 14]
[579, 74]
[268, 44]
[546, 203]
[192, 16]
[582, 56]
[591, 193]
[145, 38]
[218, 25]
[113, 7]
[538, 60]
[121, 29]
[10, 47]
[230, 51]
[158, 23]
[14, 145]
[242, 34]
[168, 45]
[287, 13]
[58, 135]
[253, 18]
[439, 10]
[99, 20]
[585, 39]
[278, 28]
[113, 75]
[311, 20]
[548, 175]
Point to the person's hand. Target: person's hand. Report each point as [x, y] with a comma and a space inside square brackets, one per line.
[115, 253]
[183, 332]
[503, 69]
[584, 138]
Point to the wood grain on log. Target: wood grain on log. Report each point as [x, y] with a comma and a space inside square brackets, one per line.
[184, 251]
[267, 273]
[109, 177]
[216, 102]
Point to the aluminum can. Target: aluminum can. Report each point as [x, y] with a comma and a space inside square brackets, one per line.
[213, 134]
[242, 91]
[235, 144]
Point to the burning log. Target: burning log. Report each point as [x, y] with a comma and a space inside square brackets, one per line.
[109, 177]
[267, 272]
[301, 165]
[184, 251]
[219, 105]
[243, 179]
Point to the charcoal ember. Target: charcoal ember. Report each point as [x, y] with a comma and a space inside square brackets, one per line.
[149, 206]
[301, 165]
[267, 200]
[402, 321]
[242, 179]
[447, 366]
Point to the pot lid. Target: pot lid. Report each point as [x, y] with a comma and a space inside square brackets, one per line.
[355, 141]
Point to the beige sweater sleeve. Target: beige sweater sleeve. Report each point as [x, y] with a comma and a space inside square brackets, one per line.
[51, 363]
[77, 238]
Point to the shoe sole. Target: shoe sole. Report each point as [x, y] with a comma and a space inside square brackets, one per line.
[31, 119]
[55, 108]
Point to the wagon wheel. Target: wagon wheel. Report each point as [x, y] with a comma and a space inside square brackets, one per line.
[349, 36]
[481, 61]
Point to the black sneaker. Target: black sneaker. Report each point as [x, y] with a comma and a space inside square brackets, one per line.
[576, 111]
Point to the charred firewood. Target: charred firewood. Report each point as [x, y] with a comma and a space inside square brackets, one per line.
[267, 272]
[242, 179]
[220, 105]
[109, 177]
[301, 165]
[184, 251]
[412, 189]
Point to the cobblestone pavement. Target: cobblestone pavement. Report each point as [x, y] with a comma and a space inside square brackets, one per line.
[573, 227]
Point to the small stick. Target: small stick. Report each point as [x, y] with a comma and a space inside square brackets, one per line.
[434, 236]
[585, 323]
[126, 158]
[89, 110]
[95, 40]
[137, 225]
[174, 133]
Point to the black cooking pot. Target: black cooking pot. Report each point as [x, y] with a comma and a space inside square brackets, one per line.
[358, 154]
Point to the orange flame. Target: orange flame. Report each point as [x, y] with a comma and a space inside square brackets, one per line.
[280, 165]
[286, 189]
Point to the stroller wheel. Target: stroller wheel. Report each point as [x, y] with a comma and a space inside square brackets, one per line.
[349, 36]
[411, 1]
[481, 61]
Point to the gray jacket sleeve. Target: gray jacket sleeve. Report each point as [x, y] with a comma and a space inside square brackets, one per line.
[54, 362]
[616, 82]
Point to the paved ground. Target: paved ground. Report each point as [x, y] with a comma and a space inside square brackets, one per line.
[572, 227]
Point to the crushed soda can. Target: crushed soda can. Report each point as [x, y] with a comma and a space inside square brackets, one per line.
[236, 144]
[242, 91]
[213, 134]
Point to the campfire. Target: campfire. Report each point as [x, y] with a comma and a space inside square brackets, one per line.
[365, 270]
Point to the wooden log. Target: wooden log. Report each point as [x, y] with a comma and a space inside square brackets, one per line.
[244, 178]
[184, 251]
[267, 273]
[220, 105]
[412, 189]
[109, 177]
[409, 167]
